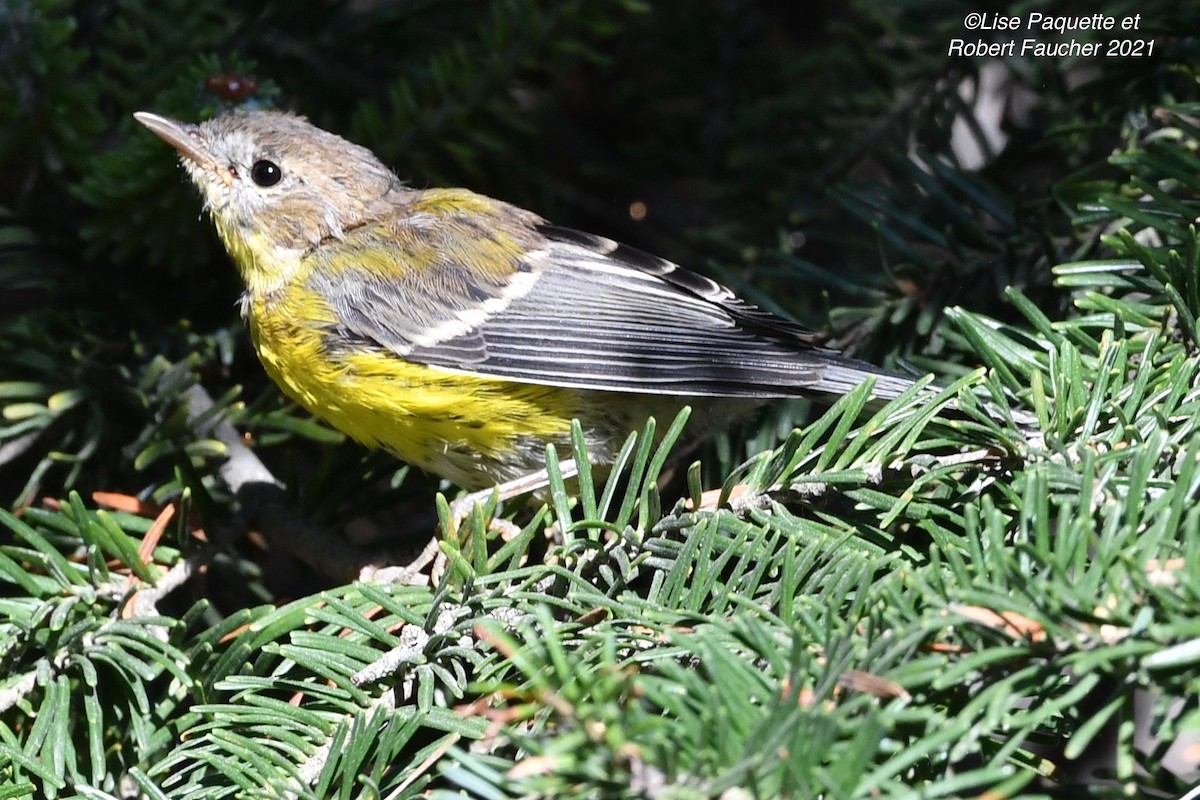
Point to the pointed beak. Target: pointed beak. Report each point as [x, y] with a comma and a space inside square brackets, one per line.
[184, 137]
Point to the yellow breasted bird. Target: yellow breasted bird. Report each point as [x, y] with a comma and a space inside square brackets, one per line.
[462, 333]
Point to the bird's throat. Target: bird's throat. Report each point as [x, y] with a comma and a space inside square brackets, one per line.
[265, 267]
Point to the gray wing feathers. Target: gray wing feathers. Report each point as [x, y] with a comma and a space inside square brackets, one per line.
[585, 312]
[595, 320]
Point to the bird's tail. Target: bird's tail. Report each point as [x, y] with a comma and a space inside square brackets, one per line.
[840, 375]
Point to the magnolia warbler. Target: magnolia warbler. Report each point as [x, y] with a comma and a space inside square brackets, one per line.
[462, 333]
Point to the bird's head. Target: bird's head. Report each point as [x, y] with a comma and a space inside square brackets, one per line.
[274, 182]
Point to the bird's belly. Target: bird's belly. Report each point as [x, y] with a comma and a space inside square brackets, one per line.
[472, 430]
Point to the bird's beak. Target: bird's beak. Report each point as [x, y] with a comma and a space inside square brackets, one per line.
[184, 137]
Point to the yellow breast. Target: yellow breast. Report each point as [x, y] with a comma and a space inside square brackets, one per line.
[470, 429]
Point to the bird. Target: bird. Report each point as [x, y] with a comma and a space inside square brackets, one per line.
[463, 334]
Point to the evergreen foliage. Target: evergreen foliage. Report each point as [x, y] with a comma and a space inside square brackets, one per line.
[995, 593]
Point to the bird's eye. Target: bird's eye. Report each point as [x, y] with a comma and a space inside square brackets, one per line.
[266, 173]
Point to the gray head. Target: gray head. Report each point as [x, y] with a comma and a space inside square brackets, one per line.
[274, 175]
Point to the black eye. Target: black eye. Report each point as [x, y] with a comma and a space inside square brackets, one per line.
[266, 173]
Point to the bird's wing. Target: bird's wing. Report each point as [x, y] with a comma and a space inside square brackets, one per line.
[581, 311]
